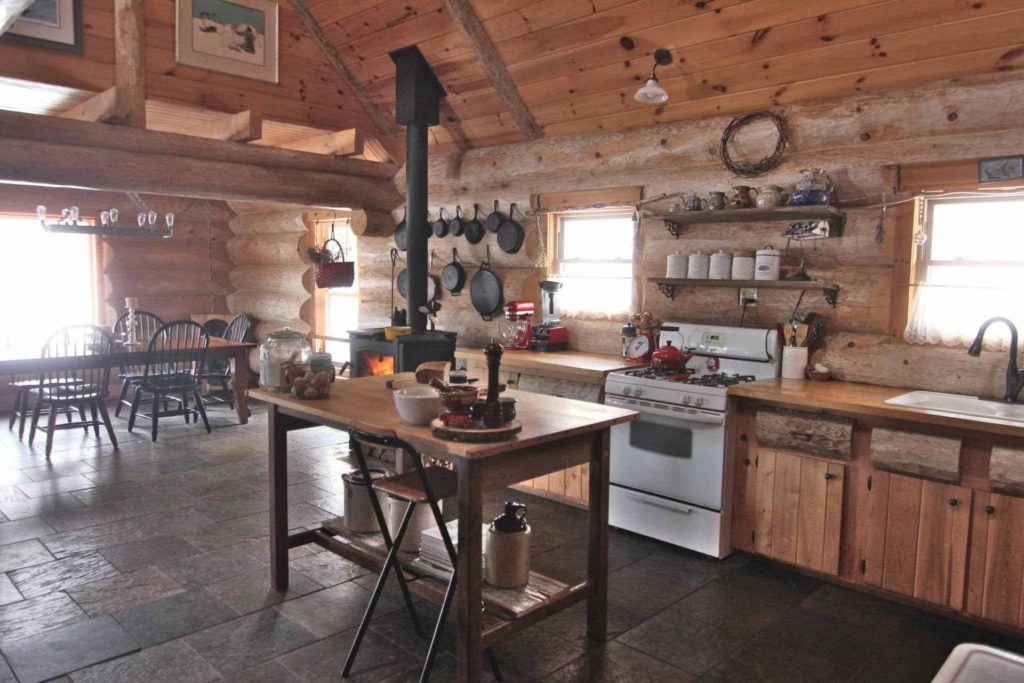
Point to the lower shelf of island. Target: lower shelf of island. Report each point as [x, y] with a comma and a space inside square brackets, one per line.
[668, 285]
[506, 611]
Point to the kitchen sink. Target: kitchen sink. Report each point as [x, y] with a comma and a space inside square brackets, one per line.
[958, 404]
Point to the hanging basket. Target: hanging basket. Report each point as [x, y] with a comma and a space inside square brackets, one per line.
[334, 273]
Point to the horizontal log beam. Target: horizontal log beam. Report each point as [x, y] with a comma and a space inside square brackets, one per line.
[44, 150]
[98, 108]
[343, 143]
[61, 131]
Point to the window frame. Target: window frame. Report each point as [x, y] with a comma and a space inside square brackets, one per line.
[319, 230]
[558, 248]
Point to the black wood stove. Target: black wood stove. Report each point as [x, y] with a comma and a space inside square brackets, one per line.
[372, 354]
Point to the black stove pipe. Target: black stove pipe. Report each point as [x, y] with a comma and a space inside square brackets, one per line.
[417, 100]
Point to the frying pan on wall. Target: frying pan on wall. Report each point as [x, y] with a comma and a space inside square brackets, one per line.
[457, 224]
[495, 219]
[432, 284]
[485, 290]
[511, 234]
[474, 228]
[401, 234]
[453, 277]
[440, 226]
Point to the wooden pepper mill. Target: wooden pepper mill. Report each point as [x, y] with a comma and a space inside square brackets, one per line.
[492, 407]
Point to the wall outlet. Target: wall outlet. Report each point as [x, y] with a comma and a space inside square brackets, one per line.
[748, 296]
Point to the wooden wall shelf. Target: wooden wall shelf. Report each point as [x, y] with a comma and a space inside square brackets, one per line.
[675, 221]
[668, 285]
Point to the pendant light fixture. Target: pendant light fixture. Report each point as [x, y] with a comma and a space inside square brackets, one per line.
[651, 92]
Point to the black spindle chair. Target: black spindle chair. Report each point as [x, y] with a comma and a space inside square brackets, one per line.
[174, 360]
[67, 389]
[145, 325]
[218, 371]
[423, 485]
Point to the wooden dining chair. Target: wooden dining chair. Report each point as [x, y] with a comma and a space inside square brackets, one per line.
[219, 371]
[424, 485]
[145, 325]
[69, 389]
[174, 359]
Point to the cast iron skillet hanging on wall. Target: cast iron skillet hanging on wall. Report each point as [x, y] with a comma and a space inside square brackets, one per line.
[511, 233]
[401, 236]
[440, 226]
[495, 219]
[453, 277]
[485, 290]
[457, 224]
[474, 228]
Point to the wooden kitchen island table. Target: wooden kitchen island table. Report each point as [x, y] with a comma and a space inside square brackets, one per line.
[557, 433]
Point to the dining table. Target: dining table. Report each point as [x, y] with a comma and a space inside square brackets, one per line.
[556, 433]
[123, 355]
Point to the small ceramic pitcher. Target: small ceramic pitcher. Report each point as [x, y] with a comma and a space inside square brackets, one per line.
[769, 196]
[716, 201]
[694, 203]
[741, 198]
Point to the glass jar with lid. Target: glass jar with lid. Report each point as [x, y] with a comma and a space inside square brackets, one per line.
[282, 351]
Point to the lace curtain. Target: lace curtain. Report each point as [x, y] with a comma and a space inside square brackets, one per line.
[951, 316]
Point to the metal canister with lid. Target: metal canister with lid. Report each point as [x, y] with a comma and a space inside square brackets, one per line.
[359, 516]
[743, 265]
[282, 351]
[767, 263]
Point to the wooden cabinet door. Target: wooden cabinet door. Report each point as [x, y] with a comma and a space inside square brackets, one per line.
[798, 514]
[915, 538]
[996, 579]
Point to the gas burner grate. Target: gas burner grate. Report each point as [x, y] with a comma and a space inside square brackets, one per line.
[719, 379]
[666, 375]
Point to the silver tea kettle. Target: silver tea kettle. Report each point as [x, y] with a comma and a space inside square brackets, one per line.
[507, 548]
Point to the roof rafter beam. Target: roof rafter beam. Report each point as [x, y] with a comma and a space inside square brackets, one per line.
[98, 108]
[473, 32]
[343, 143]
[130, 63]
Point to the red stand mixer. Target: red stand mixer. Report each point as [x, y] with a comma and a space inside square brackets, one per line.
[519, 328]
[550, 335]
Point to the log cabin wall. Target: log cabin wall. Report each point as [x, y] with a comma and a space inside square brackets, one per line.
[269, 280]
[851, 138]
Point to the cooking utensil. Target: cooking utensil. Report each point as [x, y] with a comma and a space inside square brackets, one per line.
[401, 232]
[474, 229]
[495, 219]
[453, 277]
[433, 282]
[485, 290]
[511, 233]
[668, 357]
[457, 224]
[394, 260]
[440, 226]
[403, 285]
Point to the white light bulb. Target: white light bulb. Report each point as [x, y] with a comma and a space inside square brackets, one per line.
[114, 215]
[41, 213]
[651, 93]
[142, 219]
[151, 217]
[104, 217]
[169, 219]
[74, 214]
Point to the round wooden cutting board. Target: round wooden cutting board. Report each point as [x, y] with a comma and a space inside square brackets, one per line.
[481, 435]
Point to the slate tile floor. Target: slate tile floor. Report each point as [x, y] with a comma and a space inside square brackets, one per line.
[151, 564]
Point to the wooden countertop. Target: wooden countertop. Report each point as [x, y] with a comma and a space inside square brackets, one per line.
[862, 399]
[575, 365]
[367, 401]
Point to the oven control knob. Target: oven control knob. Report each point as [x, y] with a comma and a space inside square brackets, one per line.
[626, 391]
[638, 393]
[700, 401]
[686, 400]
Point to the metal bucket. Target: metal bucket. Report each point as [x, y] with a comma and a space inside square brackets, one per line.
[359, 515]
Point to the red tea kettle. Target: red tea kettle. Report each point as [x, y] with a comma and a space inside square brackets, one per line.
[669, 357]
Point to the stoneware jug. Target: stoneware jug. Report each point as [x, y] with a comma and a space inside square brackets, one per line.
[716, 201]
[769, 196]
[507, 548]
[741, 198]
[694, 203]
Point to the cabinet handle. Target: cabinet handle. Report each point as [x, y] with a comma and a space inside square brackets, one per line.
[990, 510]
[803, 436]
[953, 502]
[828, 475]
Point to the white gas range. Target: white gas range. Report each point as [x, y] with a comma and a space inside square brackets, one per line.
[667, 468]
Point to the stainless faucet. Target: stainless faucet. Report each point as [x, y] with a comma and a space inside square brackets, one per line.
[1014, 377]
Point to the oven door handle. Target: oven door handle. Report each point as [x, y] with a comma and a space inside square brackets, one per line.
[659, 503]
[703, 417]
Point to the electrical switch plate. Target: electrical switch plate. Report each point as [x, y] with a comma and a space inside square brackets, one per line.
[748, 296]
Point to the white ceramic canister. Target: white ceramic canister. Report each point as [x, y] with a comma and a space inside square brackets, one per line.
[794, 362]
[766, 263]
[422, 519]
[677, 264]
[698, 266]
[743, 265]
[721, 265]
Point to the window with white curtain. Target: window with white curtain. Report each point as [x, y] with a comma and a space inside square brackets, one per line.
[48, 281]
[969, 268]
[337, 308]
[595, 263]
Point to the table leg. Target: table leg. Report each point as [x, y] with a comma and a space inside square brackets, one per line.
[240, 380]
[468, 591]
[597, 549]
[278, 437]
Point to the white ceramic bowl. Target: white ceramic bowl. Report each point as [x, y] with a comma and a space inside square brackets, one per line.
[418, 405]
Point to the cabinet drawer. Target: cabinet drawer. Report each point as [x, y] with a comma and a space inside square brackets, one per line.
[825, 435]
[915, 454]
[564, 388]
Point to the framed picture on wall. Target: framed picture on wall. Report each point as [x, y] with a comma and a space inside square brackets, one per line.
[236, 37]
[56, 24]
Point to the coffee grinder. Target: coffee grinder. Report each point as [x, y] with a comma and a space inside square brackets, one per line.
[519, 326]
[550, 335]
